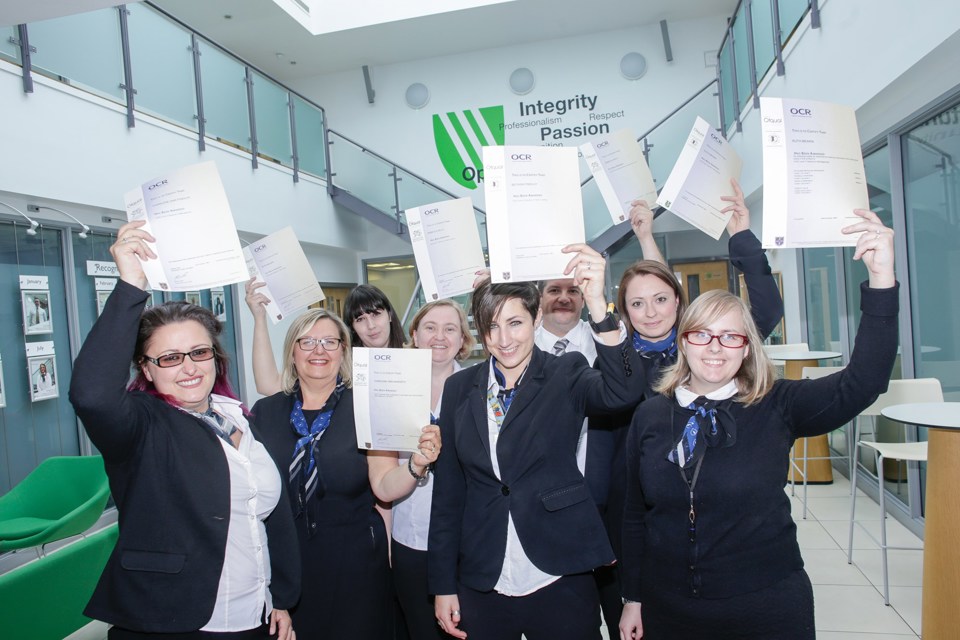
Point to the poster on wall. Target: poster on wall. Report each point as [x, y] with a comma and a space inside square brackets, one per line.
[617, 164]
[217, 304]
[35, 298]
[42, 371]
[192, 297]
[700, 177]
[3, 387]
[534, 209]
[104, 287]
[446, 247]
[188, 214]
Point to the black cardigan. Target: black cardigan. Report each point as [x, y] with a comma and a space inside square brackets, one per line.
[746, 538]
[170, 480]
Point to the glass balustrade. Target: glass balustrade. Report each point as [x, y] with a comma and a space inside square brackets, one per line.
[273, 120]
[763, 49]
[82, 50]
[741, 57]
[727, 93]
[311, 146]
[9, 50]
[363, 174]
[161, 53]
[791, 13]
[223, 80]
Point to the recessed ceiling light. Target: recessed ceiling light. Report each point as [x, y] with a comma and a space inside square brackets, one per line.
[227, 16]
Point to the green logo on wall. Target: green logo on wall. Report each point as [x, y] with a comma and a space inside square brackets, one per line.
[459, 137]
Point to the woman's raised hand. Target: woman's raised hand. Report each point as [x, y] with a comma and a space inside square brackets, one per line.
[874, 248]
[129, 249]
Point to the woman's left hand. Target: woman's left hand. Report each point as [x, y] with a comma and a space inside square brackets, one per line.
[428, 449]
[874, 248]
[589, 270]
[740, 220]
[282, 625]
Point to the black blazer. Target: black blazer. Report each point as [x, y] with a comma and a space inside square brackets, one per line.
[541, 487]
[170, 480]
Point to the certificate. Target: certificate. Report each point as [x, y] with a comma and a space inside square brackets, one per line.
[279, 261]
[700, 177]
[617, 164]
[391, 397]
[813, 176]
[534, 209]
[446, 247]
[196, 240]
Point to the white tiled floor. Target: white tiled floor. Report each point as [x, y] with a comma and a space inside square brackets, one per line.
[848, 598]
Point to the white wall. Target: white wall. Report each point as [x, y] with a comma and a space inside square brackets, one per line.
[564, 68]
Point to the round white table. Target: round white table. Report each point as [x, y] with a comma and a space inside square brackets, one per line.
[818, 471]
[941, 554]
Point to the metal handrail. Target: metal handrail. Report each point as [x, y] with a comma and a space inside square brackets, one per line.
[666, 117]
[400, 167]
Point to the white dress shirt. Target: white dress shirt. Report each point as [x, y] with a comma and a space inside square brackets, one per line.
[518, 575]
[411, 514]
[243, 594]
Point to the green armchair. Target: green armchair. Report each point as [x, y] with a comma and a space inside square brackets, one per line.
[62, 497]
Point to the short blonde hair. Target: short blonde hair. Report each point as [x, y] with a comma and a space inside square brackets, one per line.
[468, 340]
[755, 376]
[301, 325]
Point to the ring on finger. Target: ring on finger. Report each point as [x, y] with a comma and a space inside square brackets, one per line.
[455, 612]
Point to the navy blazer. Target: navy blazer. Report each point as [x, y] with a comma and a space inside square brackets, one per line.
[540, 486]
[170, 480]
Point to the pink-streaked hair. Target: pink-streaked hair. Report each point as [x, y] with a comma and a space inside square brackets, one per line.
[171, 313]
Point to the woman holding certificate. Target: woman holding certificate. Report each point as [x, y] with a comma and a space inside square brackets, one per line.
[514, 533]
[373, 323]
[709, 546]
[651, 302]
[440, 326]
[207, 547]
[309, 430]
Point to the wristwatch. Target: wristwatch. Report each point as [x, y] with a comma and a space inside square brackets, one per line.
[609, 323]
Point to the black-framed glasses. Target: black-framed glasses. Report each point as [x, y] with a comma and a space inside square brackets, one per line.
[728, 340]
[328, 344]
[173, 359]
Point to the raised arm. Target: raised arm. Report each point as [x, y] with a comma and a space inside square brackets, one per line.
[266, 376]
[641, 221]
[818, 406]
[748, 256]
[102, 368]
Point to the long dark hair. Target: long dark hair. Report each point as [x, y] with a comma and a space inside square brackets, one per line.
[171, 313]
[366, 298]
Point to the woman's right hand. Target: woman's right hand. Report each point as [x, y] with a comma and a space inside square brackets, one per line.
[255, 300]
[631, 626]
[874, 248]
[130, 248]
[447, 611]
[641, 220]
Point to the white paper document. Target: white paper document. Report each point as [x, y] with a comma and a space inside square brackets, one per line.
[813, 175]
[617, 164]
[196, 240]
[391, 397]
[279, 261]
[534, 209]
[700, 177]
[446, 247]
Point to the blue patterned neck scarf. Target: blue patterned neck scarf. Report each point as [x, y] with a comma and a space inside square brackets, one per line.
[303, 467]
[703, 430]
[663, 349]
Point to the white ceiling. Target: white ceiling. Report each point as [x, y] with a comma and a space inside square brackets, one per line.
[259, 29]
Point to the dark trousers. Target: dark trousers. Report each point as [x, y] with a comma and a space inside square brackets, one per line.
[410, 580]
[784, 611]
[116, 633]
[567, 609]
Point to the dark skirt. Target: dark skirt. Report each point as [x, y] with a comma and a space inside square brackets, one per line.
[784, 611]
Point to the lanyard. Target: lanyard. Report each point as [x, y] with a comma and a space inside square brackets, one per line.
[691, 484]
